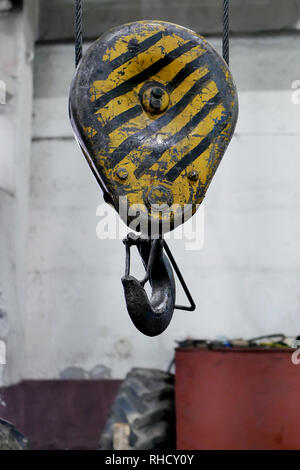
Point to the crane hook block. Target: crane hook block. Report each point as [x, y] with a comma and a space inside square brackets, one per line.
[153, 107]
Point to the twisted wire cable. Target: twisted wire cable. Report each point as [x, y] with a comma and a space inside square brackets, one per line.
[78, 31]
[226, 31]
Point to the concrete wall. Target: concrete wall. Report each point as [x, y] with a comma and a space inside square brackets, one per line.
[63, 308]
[16, 55]
[246, 278]
[205, 16]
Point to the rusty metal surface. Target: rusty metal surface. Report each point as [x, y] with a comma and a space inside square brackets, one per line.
[237, 399]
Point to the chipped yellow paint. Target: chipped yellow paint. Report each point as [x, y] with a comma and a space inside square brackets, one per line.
[140, 122]
[90, 132]
[121, 44]
[177, 124]
[188, 143]
[133, 67]
[183, 185]
[193, 138]
[121, 103]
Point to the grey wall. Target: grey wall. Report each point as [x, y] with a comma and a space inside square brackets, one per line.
[16, 55]
[205, 16]
[244, 280]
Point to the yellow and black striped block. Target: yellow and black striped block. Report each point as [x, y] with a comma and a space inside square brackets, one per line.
[153, 107]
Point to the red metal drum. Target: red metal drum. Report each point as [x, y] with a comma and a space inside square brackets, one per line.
[237, 399]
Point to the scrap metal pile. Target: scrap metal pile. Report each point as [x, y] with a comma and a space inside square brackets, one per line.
[270, 341]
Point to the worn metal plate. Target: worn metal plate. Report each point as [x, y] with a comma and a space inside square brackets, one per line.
[165, 156]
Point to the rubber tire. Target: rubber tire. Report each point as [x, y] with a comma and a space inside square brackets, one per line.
[10, 438]
[146, 402]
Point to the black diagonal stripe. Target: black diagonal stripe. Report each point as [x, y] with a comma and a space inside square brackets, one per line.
[120, 119]
[195, 153]
[135, 140]
[129, 84]
[135, 49]
[174, 139]
[187, 70]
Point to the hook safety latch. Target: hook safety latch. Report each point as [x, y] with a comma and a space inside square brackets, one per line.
[152, 316]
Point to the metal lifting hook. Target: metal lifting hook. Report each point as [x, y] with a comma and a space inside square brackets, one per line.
[152, 317]
[153, 107]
